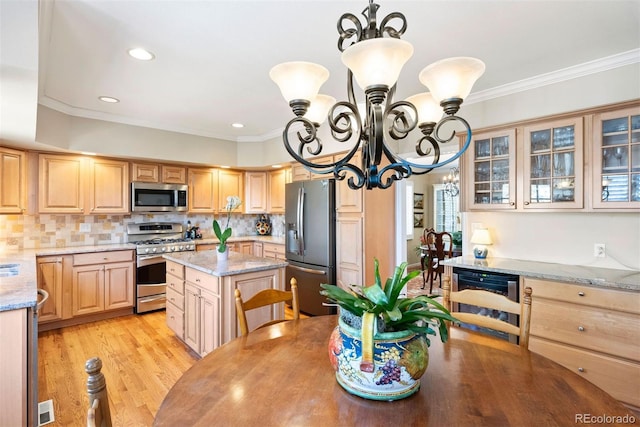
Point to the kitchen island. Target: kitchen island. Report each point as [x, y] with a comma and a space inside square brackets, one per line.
[200, 295]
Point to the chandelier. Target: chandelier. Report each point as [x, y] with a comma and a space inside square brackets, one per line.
[451, 182]
[375, 57]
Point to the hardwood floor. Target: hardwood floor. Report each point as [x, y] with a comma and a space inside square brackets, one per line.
[141, 357]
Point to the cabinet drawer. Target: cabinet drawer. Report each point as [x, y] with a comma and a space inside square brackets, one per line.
[175, 320]
[619, 378]
[203, 280]
[606, 331]
[175, 283]
[102, 257]
[175, 269]
[175, 298]
[610, 299]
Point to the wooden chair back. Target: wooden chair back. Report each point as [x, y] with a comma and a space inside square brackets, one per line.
[440, 246]
[264, 298]
[98, 414]
[481, 298]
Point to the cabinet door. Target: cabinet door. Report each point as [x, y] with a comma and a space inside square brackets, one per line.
[108, 186]
[299, 173]
[209, 322]
[144, 172]
[490, 171]
[552, 170]
[245, 248]
[192, 317]
[257, 249]
[119, 285]
[50, 280]
[325, 160]
[174, 174]
[255, 192]
[13, 187]
[616, 159]
[88, 289]
[277, 180]
[230, 183]
[349, 251]
[203, 185]
[55, 174]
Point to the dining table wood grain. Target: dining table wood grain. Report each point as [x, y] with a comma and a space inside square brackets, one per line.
[281, 376]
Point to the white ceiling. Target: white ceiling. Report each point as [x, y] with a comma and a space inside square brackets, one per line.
[213, 57]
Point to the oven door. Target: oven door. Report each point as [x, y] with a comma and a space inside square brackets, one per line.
[151, 283]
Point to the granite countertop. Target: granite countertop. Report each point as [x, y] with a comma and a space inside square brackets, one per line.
[578, 274]
[207, 262]
[278, 240]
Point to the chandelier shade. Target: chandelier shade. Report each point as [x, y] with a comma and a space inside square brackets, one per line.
[377, 61]
[451, 78]
[374, 55]
[299, 80]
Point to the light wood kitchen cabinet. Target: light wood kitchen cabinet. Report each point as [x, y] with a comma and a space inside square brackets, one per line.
[276, 188]
[349, 238]
[55, 174]
[273, 250]
[102, 281]
[553, 165]
[616, 159]
[145, 172]
[299, 173]
[257, 249]
[490, 171]
[50, 279]
[14, 373]
[203, 188]
[108, 186]
[175, 298]
[171, 174]
[13, 181]
[255, 198]
[202, 311]
[592, 331]
[230, 183]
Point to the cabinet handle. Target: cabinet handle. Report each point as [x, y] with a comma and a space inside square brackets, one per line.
[580, 369]
[527, 203]
[581, 328]
[197, 280]
[581, 294]
[512, 203]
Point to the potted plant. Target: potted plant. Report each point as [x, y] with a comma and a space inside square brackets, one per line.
[380, 347]
[232, 203]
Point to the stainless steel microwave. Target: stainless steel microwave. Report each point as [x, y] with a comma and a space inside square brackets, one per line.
[149, 197]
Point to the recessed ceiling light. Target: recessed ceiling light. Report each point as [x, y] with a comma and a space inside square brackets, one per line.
[276, 166]
[108, 99]
[141, 54]
[237, 125]
[225, 167]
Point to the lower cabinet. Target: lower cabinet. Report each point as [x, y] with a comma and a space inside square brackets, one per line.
[592, 331]
[273, 250]
[50, 280]
[201, 311]
[175, 298]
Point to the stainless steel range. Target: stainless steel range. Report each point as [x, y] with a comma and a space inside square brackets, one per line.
[152, 239]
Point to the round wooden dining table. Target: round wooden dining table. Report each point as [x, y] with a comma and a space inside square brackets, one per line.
[281, 376]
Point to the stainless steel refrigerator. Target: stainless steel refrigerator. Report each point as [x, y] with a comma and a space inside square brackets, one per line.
[310, 220]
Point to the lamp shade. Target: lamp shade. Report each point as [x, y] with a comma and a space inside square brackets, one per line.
[481, 236]
[429, 111]
[317, 112]
[377, 61]
[299, 80]
[452, 77]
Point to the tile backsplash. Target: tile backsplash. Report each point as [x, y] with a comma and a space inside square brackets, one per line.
[18, 232]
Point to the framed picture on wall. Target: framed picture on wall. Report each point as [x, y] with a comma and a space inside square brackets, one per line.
[418, 201]
[418, 220]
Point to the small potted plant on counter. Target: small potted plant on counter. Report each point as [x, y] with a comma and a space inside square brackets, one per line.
[223, 250]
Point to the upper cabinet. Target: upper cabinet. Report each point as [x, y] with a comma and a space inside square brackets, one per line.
[491, 171]
[230, 183]
[203, 189]
[13, 181]
[152, 172]
[553, 161]
[171, 174]
[61, 184]
[255, 198]
[275, 188]
[108, 186]
[616, 159]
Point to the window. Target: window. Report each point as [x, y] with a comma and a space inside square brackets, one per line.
[445, 210]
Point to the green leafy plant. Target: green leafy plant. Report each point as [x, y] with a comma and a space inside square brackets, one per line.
[421, 314]
[232, 203]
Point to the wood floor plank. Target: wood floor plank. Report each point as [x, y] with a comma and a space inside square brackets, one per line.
[142, 359]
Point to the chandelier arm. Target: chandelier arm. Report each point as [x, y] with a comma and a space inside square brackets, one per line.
[390, 30]
[436, 131]
[304, 141]
[347, 34]
[401, 122]
[341, 123]
[375, 134]
[453, 158]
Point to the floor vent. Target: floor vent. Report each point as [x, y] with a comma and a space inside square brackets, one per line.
[45, 412]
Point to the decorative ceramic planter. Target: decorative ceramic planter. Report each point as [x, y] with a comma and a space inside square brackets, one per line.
[222, 256]
[390, 370]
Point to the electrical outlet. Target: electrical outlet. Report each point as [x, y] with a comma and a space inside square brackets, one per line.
[598, 250]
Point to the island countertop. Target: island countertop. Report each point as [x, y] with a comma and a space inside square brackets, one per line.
[207, 262]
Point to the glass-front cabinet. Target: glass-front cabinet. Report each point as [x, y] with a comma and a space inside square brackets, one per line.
[491, 171]
[552, 169]
[616, 155]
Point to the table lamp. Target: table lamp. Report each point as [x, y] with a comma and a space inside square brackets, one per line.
[481, 238]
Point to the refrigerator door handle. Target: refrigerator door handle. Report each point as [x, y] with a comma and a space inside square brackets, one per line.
[308, 270]
[301, 219]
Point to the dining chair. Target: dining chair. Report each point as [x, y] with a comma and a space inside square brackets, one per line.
[264, 298]
[98, 414]
[493, 301]
[439, 246]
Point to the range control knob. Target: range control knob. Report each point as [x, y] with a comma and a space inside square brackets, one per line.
[164, 249]
[146, 251]
[181, 247]
[172, 248]
[153, 250]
